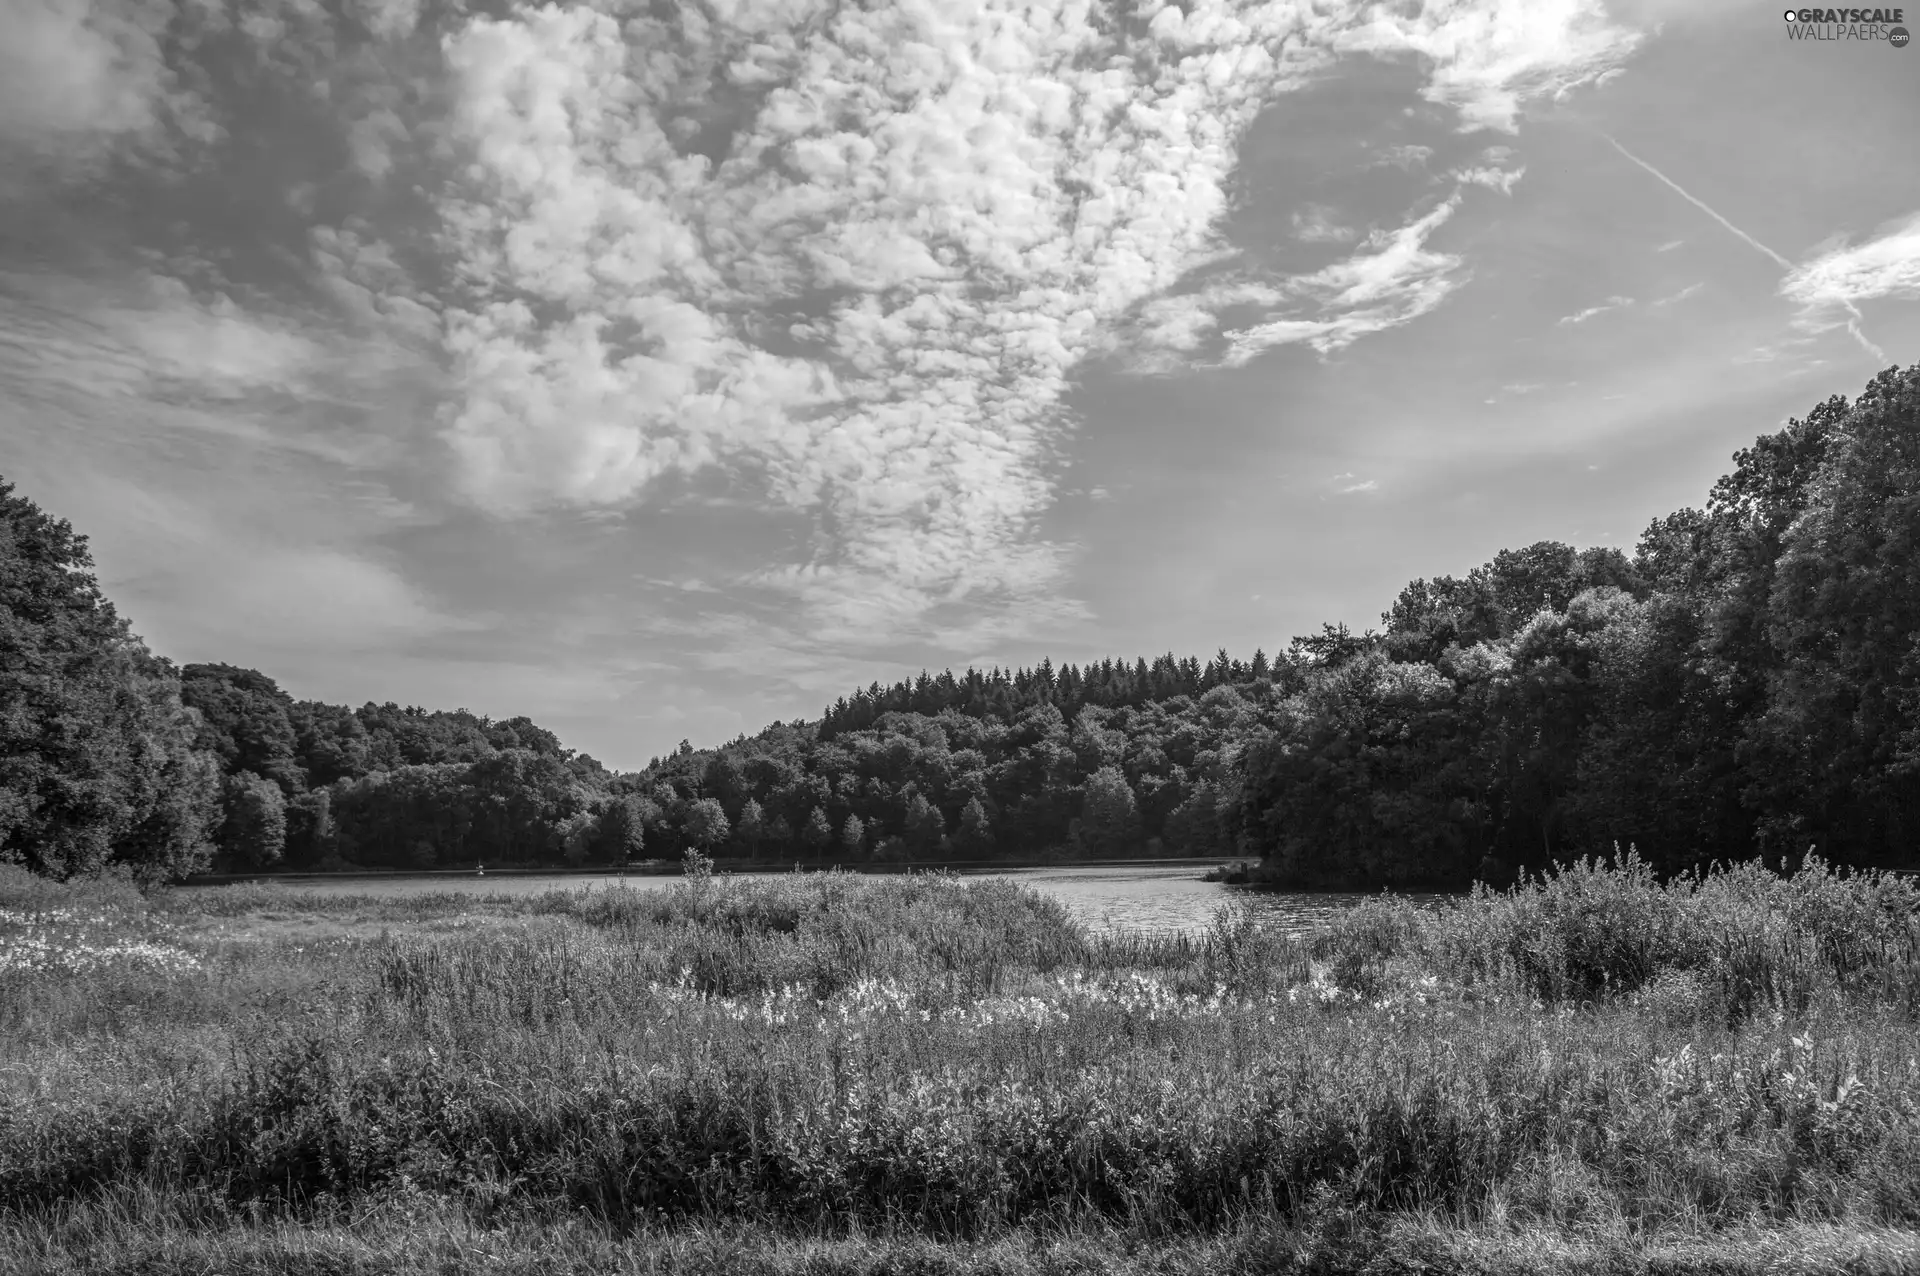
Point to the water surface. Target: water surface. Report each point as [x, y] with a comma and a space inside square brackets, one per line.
[1155, 897]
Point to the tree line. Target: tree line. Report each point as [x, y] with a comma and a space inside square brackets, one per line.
[1746, 682]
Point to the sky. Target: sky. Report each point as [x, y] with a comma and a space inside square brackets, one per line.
[661, 371]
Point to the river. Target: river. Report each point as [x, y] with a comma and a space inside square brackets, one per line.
[1158, 897]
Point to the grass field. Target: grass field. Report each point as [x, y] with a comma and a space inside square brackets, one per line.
[918, 1074]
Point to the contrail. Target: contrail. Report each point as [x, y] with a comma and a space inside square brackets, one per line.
[1853, 322]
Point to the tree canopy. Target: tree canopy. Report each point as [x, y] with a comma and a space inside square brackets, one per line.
[1746, 682]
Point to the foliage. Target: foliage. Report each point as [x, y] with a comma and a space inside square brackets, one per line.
[245, 722]
[706, 823]
[97, 755]
[1108, 821]
[1746, 683]
[255, 832]
[837, 1056]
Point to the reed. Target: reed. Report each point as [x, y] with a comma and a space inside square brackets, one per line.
[829, 1058]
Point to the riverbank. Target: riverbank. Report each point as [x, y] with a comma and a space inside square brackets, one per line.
[674, 868]
[827, 1072]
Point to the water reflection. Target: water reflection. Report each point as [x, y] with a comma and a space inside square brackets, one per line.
[1172, 898]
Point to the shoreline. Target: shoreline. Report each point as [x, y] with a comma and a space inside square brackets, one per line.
[671, 868]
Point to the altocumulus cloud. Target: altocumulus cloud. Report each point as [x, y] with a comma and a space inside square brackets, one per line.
[871, 292]
[851, 256]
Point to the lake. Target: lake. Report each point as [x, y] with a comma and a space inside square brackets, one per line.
[1157, 897]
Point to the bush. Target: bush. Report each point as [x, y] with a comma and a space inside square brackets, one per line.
[1751, 938]
[113, 888]
[831, 1053]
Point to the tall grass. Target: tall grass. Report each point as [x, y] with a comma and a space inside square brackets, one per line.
[833, 1055]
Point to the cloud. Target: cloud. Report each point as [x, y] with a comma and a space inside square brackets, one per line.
[942, 210]
[361, 275]
[869, 282]
[1390, 280]
[1674, 299]
[112, 349]
[1670, 245]
[1514, 389]
[1776, 351]
[1826, 297]
[1315, 224]
[1485, 57]
[1499, 179]
[1347, 484]
[1393, 280]
[146, 334]
[1885, 266]
[279, 565]
[80, 80]
[1581, 316]
[690, 585]
[1408, 157]
[849, 259]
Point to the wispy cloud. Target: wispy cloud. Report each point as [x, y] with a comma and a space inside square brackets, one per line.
[1775, 351]
[1886, 265]
[1837, 299]
[1488, 57]
[106, 385]
[1408, 157]
[1581, 316]
[1515, 389]
[1499, 179]
[1318, 224]
[1390, 280]
[1674, 299]
[849, 258]
[1682, 192]
[1394, 279]
[1347, 484]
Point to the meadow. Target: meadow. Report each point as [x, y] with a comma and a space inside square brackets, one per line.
[1591, 1072]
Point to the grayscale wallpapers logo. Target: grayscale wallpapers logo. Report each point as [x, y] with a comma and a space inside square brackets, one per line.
[1848, 24]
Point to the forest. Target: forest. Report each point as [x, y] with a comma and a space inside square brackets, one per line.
[1745, 683]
